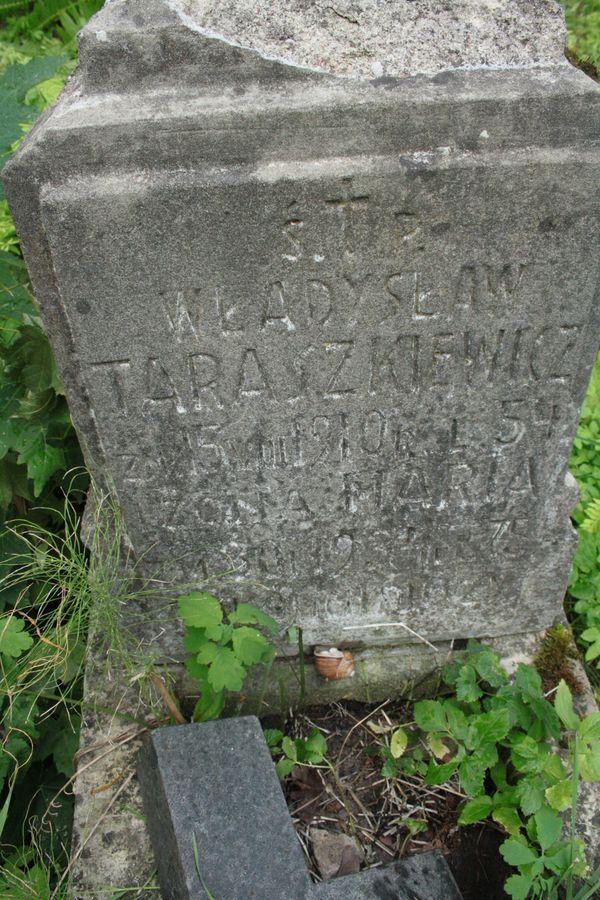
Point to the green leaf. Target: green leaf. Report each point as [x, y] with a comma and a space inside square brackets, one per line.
[590, 634]
[415, 826]
[429, 715]
[488, 667]
[251, 646]
[509, 818]
[194, 639]
[197, 671]
[200, 610]
[440, 774]
[64, 749]
[467, 688]
[516, 853]
[492, 726]
[13, 639]
[563, 704]
[14, 85]
[548, 826]
[273, 737]
[207, 653]
[226, 672]
[209, 706]
[472, 773]
[518, 887]
[524, 753]
[390, 769]
[284, 767]
[398, 742]
[554, 767]
[589, 764]
[457, 721]
[315, 745]
[437, 746]
[593, 651]
[530, 791]
[589, 728]
[42, 461]
[560, 795]
[475, 810]
[247, 614]
[289, 748]
[528, 681]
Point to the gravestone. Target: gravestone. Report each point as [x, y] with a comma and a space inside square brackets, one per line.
[220, 826]
[320, 279]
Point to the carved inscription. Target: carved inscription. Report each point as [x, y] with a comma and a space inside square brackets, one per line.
[349, 411]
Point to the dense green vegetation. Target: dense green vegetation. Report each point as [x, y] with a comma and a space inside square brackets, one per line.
[45, 592]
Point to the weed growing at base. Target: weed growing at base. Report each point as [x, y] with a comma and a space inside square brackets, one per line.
[584, 584]
[498, 737]
[290, 752]
[63, 592]
[222, 647]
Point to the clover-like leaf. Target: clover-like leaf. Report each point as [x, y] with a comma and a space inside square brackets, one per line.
[247, 614]
[14, 640]
[251, 646]
[200, 610]
[207, 653]
[226, 671]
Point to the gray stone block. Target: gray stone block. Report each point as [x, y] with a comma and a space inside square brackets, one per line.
[425, 876]
[325, 333]
[216, 781]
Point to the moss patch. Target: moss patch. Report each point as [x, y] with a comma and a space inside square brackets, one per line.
[553, 659]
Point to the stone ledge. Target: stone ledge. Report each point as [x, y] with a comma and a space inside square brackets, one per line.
[117, 852]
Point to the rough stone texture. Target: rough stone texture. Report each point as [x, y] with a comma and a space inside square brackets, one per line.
[216, 780]
[111, 734]
[327, 338]
[425, 876]
[370, 38]
[332, 850]
[111, 848]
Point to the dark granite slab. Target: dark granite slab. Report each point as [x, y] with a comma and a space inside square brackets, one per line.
[220, 827]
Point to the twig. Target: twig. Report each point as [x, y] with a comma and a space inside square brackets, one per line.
[165, 694]
[391, 625]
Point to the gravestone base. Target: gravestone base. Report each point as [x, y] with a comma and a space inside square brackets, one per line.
[111, 845]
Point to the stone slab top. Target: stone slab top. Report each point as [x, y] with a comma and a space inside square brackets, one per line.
[376, 38]
[129, 46]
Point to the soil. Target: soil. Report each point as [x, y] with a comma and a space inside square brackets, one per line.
[351, 797]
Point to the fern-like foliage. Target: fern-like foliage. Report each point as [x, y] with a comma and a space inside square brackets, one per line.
[12, 7]
[591, 522]
[64, 18]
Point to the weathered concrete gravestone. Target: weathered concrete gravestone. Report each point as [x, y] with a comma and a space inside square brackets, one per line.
[324, 320]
